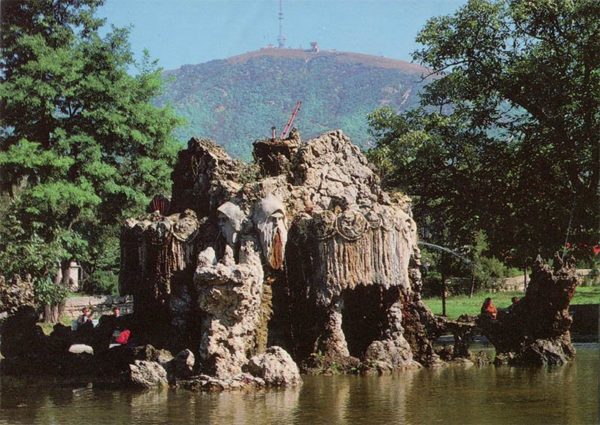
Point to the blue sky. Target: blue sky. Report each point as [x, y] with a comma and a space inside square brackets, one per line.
[179, 32]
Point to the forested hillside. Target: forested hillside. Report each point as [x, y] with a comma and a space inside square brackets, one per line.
[237, 100]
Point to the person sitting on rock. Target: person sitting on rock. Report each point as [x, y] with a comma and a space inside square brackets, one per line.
[84, 322]
[86, 316]
[116, 311]
[514, 302]
[488, 309]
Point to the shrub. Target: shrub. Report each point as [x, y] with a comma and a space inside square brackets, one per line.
[593, 278]
[102, 282]
[48, 293]
[489, 272]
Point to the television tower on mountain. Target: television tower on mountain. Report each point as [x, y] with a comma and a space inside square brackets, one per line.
[281, 38]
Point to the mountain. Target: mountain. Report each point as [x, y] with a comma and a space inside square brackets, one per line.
[237, 100]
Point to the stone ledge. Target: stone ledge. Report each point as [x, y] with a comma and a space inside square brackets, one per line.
[102, 304]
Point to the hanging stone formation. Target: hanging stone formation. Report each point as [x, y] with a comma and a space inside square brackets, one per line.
[312, 258]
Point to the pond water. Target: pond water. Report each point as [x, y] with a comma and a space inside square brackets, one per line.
[451, 395]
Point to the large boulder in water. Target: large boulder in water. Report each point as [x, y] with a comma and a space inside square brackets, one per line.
[535, 331]
[276, 367]
[147, 374]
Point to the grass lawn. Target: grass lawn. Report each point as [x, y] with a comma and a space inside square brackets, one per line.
[48, 327]
[462, 304]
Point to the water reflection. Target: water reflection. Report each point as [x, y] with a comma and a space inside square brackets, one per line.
[251, 407]
[446, 395]
[502, 395]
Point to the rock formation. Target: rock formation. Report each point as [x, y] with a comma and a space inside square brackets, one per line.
[309, 263]
[183, 364]
[15, 293]
[312, 256]
[229, 298]
[146, 374]
[21, 337]
[275, 367]
[536, 330]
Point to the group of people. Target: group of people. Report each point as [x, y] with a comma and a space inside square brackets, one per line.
[119, 336]
[488, 309]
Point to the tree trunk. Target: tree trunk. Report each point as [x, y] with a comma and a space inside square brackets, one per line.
[444, 293]
[472, 282]
[53, 312]
[47, 314]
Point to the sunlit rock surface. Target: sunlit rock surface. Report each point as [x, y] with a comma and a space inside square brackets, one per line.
[275, 367]
[305, 252]
[536, 330]
[146, 374]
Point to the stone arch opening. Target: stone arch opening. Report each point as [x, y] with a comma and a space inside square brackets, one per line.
[364, 317]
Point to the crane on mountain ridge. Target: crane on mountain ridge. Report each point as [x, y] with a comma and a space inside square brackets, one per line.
[288, 126]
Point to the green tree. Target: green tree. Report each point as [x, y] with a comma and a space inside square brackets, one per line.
[455, 175]
[81, 146]
[529, 70]
[514, 110]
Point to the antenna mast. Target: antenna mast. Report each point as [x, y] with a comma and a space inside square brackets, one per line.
[281, 38]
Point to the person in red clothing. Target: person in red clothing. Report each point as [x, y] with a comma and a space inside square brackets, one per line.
[123, 337]
[489, 309]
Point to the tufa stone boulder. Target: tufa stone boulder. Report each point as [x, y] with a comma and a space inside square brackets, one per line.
[535, 331]
[183, 364]
[295, 257]
[275, 367]
[147, 374]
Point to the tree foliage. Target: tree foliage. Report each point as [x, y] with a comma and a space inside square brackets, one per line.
[81, 146]
[47, 293]
[509, 129]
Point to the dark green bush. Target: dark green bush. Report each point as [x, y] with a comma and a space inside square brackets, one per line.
[102, 282]
[47, 292]
[489, 273]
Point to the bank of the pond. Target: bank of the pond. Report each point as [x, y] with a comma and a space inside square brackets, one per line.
[450, 395]
[463, 304]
